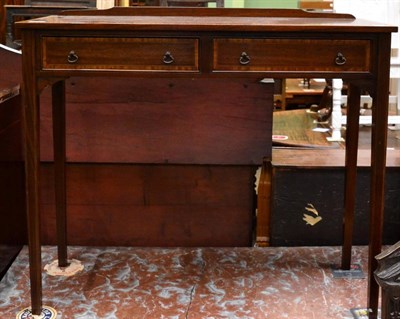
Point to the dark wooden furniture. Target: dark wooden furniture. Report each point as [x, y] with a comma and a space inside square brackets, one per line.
[34, 9]
[292, 168]
[13, 233]
[205, 44]
[3, 17]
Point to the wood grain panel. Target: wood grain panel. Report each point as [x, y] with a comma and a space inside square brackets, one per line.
[12, 179]
[12, 204]
[286, 55]
[12, 190]
[135, 53]
[153, 205]
[11, 69]
[10, 130]
[185, 121]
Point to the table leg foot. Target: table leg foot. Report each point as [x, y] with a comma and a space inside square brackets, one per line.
[47, 313]
[355, 272]
[73, 268]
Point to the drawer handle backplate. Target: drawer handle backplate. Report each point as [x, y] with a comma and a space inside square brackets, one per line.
[244, 58]
[168, 58]
[340, 59]
[72, 57]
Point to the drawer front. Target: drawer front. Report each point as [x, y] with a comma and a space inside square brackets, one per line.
[292, 55]
[138, 54]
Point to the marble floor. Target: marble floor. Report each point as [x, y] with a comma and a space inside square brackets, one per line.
[194, 283]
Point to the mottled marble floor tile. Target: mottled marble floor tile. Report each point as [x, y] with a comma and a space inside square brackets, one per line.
[192, 283]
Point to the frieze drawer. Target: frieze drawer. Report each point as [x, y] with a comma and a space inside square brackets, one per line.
[292, 55]
[137, 54]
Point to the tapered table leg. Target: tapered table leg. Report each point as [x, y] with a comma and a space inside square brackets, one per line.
[59, 141]
[352, 128]
[378, 168]
[31, 118]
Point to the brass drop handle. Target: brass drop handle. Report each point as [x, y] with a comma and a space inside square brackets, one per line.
[168, 58]
[244, 58]
[340, 59]
[72, 57]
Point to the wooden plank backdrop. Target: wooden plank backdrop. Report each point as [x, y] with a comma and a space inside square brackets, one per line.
[156, 122]
[164, 121]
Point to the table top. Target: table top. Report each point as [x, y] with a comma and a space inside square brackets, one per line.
[203, 19]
